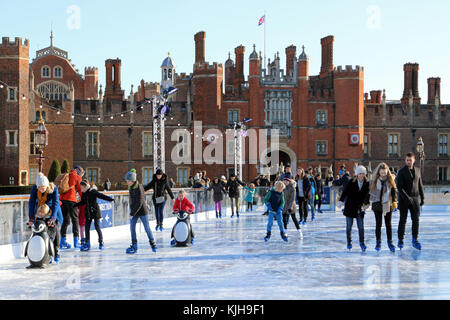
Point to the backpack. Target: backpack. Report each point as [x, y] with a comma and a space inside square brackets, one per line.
[62, 182]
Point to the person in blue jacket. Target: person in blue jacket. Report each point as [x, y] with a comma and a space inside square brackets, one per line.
[44, 192]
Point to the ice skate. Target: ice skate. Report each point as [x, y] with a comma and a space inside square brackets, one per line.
[101, 246]
[153, 245]
[416, 244]
[63, 244]
[132, 249]
[400, 244]
[284, 237]
[300, 234]
[267, 237]
[363, 246]
[86, 247]
[378, 246]
[391, 246]
[76, 243]
[349, 246]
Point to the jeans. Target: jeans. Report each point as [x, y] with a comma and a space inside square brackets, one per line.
[414, 208]
[279, 217]
[360, 223]
[97, 227]
[302, 208]
[318, 202]
[311, 204]
[234, 203]
[69, 214]
[159, 211]
[144, 220]
[379, 222]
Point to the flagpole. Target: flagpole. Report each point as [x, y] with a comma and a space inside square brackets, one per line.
[265, 21]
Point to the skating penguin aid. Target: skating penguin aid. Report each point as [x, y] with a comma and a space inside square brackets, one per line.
[39, 248]
[182, 230]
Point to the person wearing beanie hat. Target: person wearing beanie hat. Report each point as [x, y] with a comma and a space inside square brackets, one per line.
[159, 185]
[138, 210]
[68, 200]
[46, 193]
[357, 199]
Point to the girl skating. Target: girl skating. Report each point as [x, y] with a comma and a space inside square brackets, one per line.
[274, 201]
[218, 189]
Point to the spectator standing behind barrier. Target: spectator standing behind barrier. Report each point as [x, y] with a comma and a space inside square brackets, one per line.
[410, 189]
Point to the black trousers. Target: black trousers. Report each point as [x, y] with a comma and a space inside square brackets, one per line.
[87, 229]
[69, 214]
[414, 208]
[318, 202]
[294, 218]
[250, 206]
[303, 208]
[379, 222]
[53, 233]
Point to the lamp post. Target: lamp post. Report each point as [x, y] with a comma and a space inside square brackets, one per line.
[239, 132]
[41, 141]
[420, 148]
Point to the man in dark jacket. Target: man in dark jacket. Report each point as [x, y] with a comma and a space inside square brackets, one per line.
[160, 185]
[232, 188]
[138, 210]
[357, 200]
[410, 188]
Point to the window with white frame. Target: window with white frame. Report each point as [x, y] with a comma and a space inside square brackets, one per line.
[34, 170]
[33, 149]
[182, 175]
[321, 147]
[147, 175]
[443, 142]
[443, 174]
[366, 144]
[393, 141]
[233, 116]
[57, 72]
[11, 138]
[321, 117]
[147, 143]
[45, 72]
[53, 90]
[92, 144]
[12, 94]
[93, 174]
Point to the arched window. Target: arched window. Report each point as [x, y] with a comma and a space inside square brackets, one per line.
[53, 90]
[57, 72]
[45, 72]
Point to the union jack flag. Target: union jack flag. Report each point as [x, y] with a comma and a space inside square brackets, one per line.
[261, 21]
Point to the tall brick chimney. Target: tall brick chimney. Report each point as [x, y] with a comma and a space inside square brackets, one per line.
[199, 39]
[113, 89]
[411, 71]
[434, 89]
[239, 71]
[327, 55]
[291, 53]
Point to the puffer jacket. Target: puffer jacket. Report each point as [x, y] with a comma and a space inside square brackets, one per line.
[160, 187]
[89, 198]
[74, 183]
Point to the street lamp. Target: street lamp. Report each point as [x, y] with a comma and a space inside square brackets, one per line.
[420, 148]
[41, 141]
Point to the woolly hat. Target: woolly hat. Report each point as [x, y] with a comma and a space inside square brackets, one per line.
[131, 175]
[79, 170]
[85, 183]
[41, 180]
[360, 169]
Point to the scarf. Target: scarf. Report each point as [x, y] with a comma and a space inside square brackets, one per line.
[42, 198]
[384, 195]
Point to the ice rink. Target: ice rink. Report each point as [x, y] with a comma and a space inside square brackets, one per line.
[230, 260]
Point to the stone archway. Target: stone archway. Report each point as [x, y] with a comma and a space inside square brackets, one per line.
[286, 155]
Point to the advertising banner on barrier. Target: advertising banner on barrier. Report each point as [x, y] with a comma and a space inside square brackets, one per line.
[326, 195]
[106, 208]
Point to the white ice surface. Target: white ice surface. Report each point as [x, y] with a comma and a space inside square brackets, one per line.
[230, 260]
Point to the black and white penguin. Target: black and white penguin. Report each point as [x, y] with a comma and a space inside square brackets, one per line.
[39, 249]
[182, 230]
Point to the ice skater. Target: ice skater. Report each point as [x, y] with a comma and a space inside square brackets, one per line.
[249, 196]
[232, 188]
[181, 205]
[383, 196]
[218, 189]
[356, 197]
[410, 189]
[303, 188]
[160, 185]
[138, 210]
[319, 191]
[289, 206]
[274, 201]
[46, 193]
[92, 213]
[312, 192]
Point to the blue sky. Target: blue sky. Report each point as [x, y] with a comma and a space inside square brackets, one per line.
[379, 35]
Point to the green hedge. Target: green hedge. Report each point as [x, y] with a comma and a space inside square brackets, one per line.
[14, 190]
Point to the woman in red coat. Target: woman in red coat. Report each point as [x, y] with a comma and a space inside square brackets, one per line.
[182, 204]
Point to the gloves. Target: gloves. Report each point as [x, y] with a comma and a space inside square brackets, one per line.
[269, 207]
[394, 205]
[340, 204]
[421, 202]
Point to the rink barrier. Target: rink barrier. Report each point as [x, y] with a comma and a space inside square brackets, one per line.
[14, 209]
